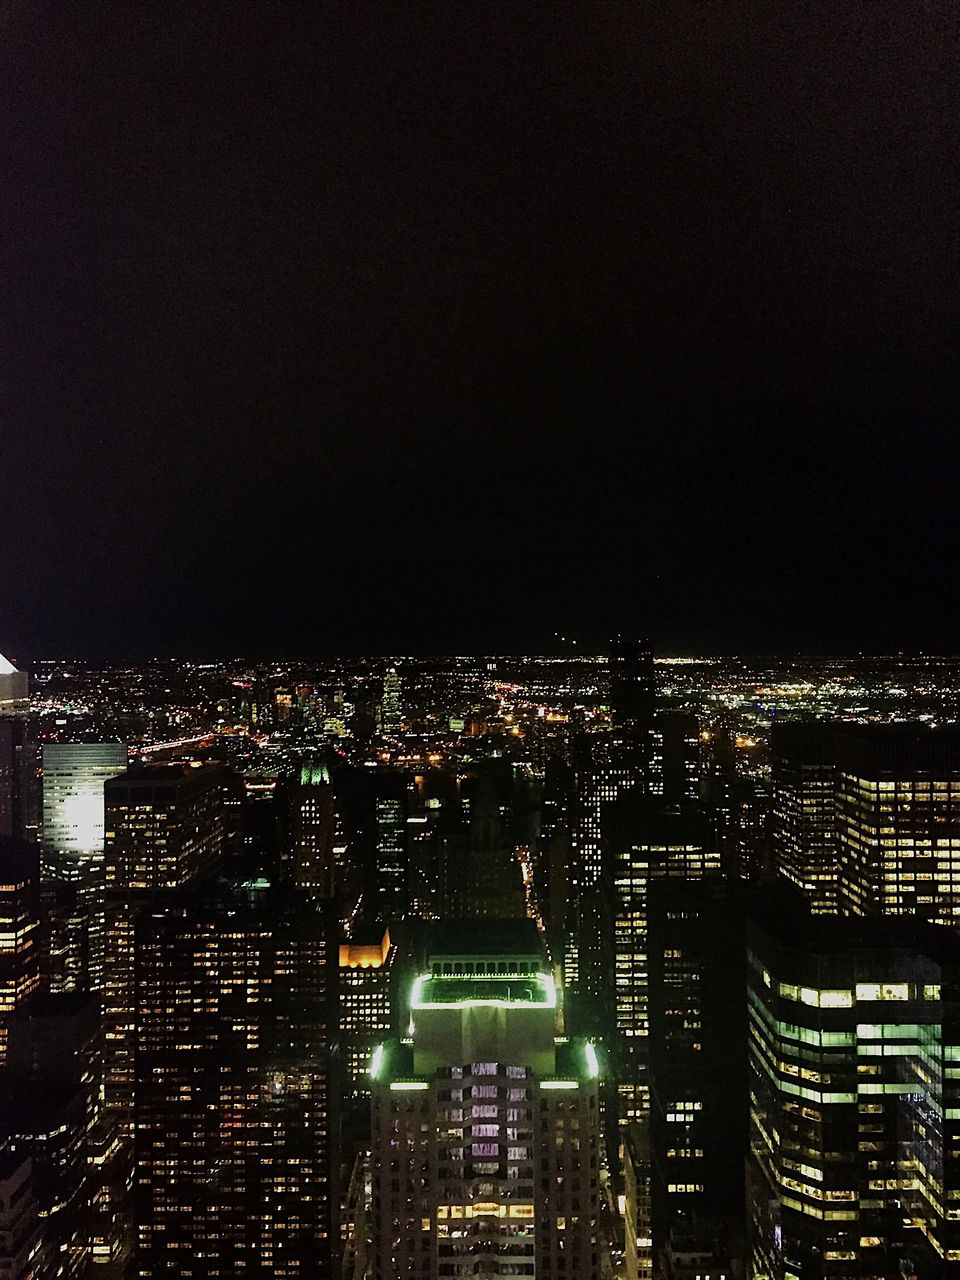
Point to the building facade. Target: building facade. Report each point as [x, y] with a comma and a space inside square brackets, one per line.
[486, 1132]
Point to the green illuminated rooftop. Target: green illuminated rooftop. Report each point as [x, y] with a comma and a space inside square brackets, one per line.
[508, 990]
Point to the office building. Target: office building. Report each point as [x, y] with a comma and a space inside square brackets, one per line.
[19, 780]
[854, 1041]
[898, 821]
[164, 830]
[698, 1058]
[632, 686]
[391, 844]
[803, 828]
[235, 1088]
[20, 1237]
[19, 931]
[635, 1161]
[73, 777]
[674, 775]
[48, 1106]
[866, 818]
[72, 847]
[480, 874]
[390, 711]
[310, 826]
[486, 1135]
[366, 974]
[646, 842]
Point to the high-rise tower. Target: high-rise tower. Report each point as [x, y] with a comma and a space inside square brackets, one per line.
[486, 1134]
[236, 1152]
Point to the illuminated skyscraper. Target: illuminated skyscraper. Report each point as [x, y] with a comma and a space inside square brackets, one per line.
[311, 823]
[72, 843]
[19, 931]
[855, 1102]
[48, 1105]
[73, 778]
[866, 818]
[391, 847]
[164, 830]
[390, 714]
[366, 970]
[898, 821]
[236, 1153]
[698, 1051]
[674, 775]
[486, 1135]
[803, 832]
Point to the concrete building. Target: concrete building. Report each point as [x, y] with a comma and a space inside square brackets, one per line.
[486, 1131]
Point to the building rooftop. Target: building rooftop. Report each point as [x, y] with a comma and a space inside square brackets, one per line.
[434, 992]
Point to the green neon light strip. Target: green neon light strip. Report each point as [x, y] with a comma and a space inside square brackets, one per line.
[399, 1086]
[537, 991]
[559, 1084]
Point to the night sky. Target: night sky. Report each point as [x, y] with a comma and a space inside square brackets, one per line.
[368, 327]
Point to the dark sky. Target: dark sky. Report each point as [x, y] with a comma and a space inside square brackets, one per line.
[372, 326]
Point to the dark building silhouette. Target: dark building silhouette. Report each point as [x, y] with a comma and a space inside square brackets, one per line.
[48, 1107]
[19, 783]
[481, 875]
[632, 688]
[698, 1057]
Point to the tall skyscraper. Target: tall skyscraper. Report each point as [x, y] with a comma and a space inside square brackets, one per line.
[390, 713]
[366, 972]
[675, 758]
[898, 821]
[310, 822]
[866, 818]
[48, 1106]
[73, 778]
[72, 846]
[19, 785]
[19, 931]
[391, 844]
[236, 1152]
[647, 842]
[486, 1135]
[855, 1101]
[698, 1054]
[164, 830]
[632, 688]
[803, 832]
